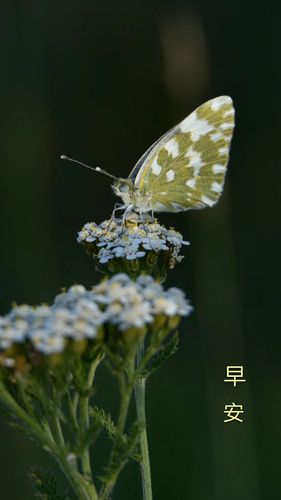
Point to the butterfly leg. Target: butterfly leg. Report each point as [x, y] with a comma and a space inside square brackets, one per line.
[127, 209]
[143, 222]
[117, 206]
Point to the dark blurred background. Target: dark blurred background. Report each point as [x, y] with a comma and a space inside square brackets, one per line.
[101, 81]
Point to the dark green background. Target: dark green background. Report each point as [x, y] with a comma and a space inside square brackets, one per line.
[100, 81]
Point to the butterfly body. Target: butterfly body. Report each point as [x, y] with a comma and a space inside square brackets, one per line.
[185, 169]
[133, 197]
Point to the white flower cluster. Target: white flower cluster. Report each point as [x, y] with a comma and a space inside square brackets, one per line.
[130, 240]
[77, 313]
[46, 327]
[135, 303]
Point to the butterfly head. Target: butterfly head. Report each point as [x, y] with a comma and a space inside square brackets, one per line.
[124, 188]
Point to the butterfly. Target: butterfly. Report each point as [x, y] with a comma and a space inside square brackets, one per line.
[184, 169]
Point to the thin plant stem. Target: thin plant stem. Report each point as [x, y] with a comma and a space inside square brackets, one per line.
[55, 421]
[57, 431]
[84, 428]
[24, 397]
[126, 388]
[77, 481]
[141, 414]
[72, 407]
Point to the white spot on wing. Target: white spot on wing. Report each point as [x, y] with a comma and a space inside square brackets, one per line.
[207, 201]
[191, 153]
[230, 112]
[188, 122]
[196, 126]
[203, 127]
[216, 136]
[196, 164]
[172, 147]
[226, 126]
[218, 169]
[227, 138]
[223, 151]
[194, 160]
[191, 183]
[170, 175]
[156, 168]
[218, 102]
[216, 187]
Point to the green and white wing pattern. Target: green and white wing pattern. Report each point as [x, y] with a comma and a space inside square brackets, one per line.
[186, 168]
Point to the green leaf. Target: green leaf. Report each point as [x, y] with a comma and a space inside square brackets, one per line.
[45, 485]
[100, 421]
[103, 421]
[161, 357]
[124, 450]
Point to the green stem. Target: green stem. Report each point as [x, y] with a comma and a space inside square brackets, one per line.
[126, 388]
[57, 432]
[84, 428]
[126, 392]
[140, 407]
[77, 481]
[55, 421]
[72, 409]
[23, 398]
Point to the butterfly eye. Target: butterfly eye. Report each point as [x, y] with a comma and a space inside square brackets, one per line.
[124, 188]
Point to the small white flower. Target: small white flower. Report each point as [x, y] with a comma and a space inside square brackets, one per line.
[77, 289]
[82, 329]
[8, 362]
[162, 305]
[136, 316]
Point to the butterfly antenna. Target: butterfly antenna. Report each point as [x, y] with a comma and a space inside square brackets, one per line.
[95, 169]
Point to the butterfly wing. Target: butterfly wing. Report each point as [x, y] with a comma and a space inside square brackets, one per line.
[185, 168]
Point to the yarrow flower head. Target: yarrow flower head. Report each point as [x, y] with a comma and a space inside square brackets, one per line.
[117, 305]
[132, 245]
[47, 329]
